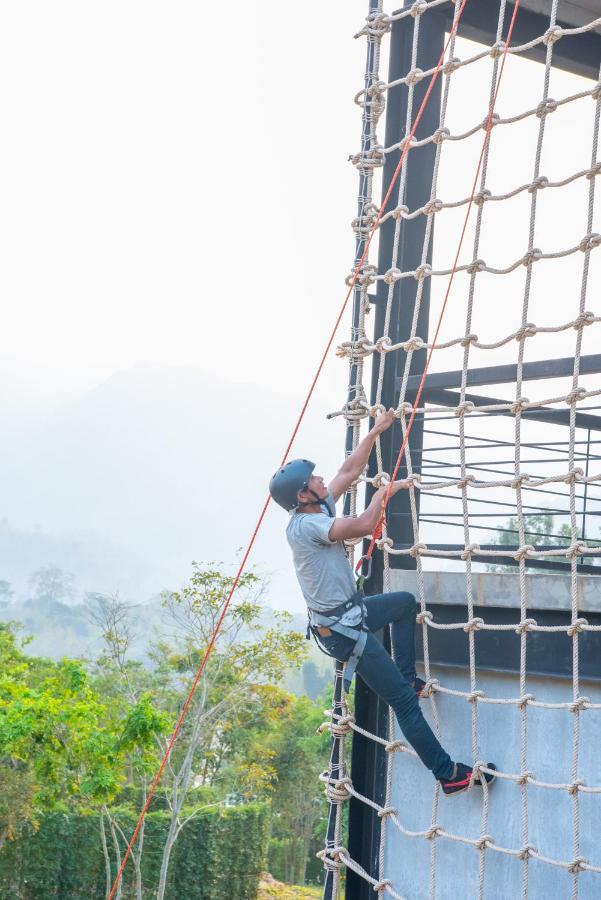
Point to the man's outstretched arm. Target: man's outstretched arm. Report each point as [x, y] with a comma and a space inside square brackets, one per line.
[354, 464]
[364, 524]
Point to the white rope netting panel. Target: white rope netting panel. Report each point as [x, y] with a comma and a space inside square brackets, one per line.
[515, 487]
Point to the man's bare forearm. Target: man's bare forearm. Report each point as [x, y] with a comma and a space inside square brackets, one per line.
[372, 513]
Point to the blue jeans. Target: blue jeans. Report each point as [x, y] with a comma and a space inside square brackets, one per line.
[393, 680]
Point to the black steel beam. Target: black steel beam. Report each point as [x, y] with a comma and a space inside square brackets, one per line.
[531, 371]
[552, 416]
[579, 54]
[549, 653]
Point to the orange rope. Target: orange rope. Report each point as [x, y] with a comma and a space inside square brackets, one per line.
[226, 604]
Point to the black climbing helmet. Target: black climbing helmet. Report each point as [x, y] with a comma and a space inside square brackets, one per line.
[289, 480]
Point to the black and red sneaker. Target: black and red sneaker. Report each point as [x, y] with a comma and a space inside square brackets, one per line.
[462, 777]
[419, 686]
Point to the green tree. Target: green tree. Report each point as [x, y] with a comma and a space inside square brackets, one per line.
[300, 754]
[54, 744]
[540, 530]
[234, 695]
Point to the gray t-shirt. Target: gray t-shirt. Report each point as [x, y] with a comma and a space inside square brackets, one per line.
[322, 568]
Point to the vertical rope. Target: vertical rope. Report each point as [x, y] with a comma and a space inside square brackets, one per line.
[524, 827]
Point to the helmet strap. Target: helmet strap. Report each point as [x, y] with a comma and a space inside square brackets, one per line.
[317, 500]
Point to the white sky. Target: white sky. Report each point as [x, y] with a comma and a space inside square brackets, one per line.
[175, 188]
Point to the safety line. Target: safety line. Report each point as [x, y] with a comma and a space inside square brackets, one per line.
[226, 604]
[377, 533]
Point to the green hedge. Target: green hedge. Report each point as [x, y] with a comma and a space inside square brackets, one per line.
[218, 855]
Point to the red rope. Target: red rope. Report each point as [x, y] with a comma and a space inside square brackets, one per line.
[378, 529]
[236, 580]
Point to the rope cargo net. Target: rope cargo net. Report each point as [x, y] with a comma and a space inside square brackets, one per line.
[513, 486]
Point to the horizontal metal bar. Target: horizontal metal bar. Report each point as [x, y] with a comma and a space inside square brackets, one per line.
[507, 374]
[442, 397]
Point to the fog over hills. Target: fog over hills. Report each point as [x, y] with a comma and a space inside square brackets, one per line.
[158, 465]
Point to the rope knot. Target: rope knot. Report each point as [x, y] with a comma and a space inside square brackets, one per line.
[469, 339]
[392, 276]
[362, 225]
[337, 792]
[594, 171]
[575, 549]
[381, 479]
[538, 184]
[414, 76]
[575, 786]
[440, 135]
[519, 406]
[451, 65]
[368, 160]
[419, 7]
[524, 627]
[552, 34]
[465, 408]
[380, 886]
[378, 24]
[589, 242]
[545, 107]
[524, 777]
[365, 276]
[400, 212]
[523, 552]
[415, 478]
[573, 476]
[474, 624]
[580, 704]
[405, 408]
[465, 482]
[433, 832]
[469, 550]
[395, 747]
[527, 851]
[532, 256]
[579, 393]
[417, 550]
[407, 142]
[383, 344]
[387, 811]
[519, 481]
[497, 49]
[414, 343]
[482, 196]
[354, 411]
[526, 331]
[577, 627]
[424, 616]
[491, 121]
[433, 206]
[577, 865]
[383, 542]
[422, 272]
[484, 841]
[341, 725]
[587, 318]
[477, 265]
[474, 696]
[430, 687]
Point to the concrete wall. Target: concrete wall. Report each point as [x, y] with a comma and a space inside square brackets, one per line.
[549, 758]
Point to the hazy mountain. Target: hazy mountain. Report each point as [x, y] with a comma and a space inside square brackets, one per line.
[158, 465]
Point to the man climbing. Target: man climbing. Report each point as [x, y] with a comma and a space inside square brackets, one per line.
[341, 619]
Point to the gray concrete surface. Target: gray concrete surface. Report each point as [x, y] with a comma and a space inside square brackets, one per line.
[549, 758]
